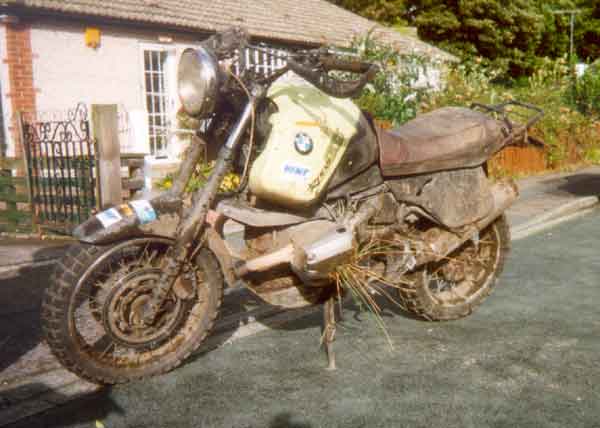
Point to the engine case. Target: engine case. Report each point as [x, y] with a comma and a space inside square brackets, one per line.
[309, 137]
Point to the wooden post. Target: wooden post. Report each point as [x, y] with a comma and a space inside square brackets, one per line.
[106, 132]
[27, 172]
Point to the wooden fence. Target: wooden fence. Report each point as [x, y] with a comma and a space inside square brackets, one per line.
[518, 160]
[15, 207]
[16, 214]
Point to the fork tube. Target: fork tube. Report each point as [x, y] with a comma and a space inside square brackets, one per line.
[192, 223]
[191, 157]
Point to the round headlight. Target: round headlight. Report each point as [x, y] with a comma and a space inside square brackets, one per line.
[198, 82]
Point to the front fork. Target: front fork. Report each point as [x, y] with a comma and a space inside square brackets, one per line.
[193, 220]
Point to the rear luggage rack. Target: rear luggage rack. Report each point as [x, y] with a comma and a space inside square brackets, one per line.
[516, 131]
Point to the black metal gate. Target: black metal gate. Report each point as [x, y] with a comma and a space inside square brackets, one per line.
[61, 161]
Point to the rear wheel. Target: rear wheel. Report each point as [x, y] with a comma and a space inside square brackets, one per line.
[452, 288]
[92, 310]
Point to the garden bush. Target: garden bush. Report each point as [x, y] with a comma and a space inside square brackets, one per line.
[397, 91]
[585, 91]
[571, 134]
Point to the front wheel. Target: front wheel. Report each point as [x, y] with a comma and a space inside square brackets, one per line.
[92, 310]
[453, 287]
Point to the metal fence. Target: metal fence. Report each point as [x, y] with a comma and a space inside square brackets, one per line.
[61, 162]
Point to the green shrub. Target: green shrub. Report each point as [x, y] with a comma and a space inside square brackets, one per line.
[568, 134]
[585, 92]
[393, 95]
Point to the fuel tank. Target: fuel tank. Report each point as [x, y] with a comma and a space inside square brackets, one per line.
[309, 137]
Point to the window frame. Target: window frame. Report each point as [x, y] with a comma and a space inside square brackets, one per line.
[158, 122]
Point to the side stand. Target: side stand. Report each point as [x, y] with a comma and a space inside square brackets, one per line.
[329, 331]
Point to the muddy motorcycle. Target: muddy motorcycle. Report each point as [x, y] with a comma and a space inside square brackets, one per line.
[142, 288]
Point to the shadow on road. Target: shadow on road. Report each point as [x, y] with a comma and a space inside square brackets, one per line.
[284, 420]
[20, 302]
[65, 412]
[581, 185]
[350, 311]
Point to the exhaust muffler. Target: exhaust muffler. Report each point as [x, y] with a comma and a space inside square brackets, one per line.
[311, 261]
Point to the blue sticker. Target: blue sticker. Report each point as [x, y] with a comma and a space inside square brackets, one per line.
[109, 217]
[144, 210]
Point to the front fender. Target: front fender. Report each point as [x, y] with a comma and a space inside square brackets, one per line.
[127, 221]
[158, 217]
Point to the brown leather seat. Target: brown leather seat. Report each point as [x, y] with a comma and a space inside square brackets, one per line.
[448, 138]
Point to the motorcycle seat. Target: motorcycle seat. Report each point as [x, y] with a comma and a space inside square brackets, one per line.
[448, 138]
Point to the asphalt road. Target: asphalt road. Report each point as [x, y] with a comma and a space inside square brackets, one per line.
[529, 356]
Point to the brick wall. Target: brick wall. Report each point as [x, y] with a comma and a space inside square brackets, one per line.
[19, 58]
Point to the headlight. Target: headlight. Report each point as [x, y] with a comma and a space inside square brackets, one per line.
[198, 82]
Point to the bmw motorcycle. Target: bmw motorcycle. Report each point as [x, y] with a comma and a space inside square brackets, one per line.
[142, 288]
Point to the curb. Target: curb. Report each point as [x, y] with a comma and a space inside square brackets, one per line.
[560, 214]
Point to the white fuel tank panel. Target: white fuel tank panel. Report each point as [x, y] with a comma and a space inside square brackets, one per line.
[309, 136]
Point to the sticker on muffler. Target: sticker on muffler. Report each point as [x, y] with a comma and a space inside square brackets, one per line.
[109, 217]
[144, 210]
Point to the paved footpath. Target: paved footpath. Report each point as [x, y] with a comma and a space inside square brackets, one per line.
[32, 381]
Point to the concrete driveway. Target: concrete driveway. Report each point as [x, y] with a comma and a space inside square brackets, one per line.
[529, 357]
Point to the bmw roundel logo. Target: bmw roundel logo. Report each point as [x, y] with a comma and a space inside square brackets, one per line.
[303, 143]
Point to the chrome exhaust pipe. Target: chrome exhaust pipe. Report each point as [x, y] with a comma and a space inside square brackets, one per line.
[312, 261]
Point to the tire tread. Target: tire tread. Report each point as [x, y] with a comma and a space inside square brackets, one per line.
[55, 305]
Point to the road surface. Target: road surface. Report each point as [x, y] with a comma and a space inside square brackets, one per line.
[530, 356]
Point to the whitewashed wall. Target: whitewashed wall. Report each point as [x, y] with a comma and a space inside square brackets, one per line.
[67, 72]
[6, 105]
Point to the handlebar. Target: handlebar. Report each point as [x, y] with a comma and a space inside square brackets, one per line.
[330, 85]
[313, 65]
[331, 63]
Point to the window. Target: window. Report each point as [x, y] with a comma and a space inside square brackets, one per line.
[159, 87]
[157, 98]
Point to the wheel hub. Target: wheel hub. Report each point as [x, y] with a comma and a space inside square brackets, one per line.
[126, 304]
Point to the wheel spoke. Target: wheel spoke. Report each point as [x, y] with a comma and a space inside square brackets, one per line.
[108, 292]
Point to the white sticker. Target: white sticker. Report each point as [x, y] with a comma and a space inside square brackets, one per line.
[109, 217]
[296, 172]
[144, 210]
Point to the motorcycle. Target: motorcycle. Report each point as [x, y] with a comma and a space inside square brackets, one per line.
[141, 289]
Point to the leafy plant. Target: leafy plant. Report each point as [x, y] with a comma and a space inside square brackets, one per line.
[396, 92]
[511, 35]
[585, 92]
[203, 168]
[200, 177]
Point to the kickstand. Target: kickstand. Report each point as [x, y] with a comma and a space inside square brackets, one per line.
[329, 331]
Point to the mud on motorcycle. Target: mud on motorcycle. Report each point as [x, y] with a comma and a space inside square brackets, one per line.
[142, 288]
